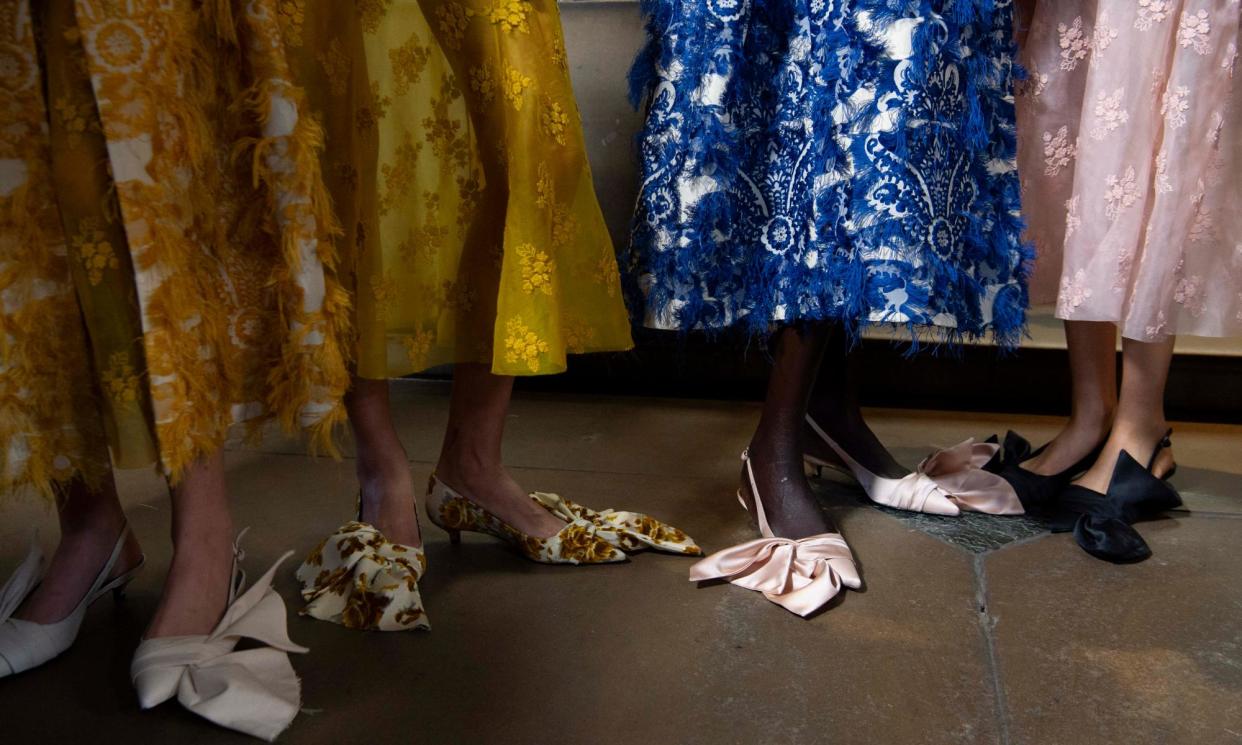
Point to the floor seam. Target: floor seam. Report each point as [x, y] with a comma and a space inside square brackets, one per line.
[986, 625]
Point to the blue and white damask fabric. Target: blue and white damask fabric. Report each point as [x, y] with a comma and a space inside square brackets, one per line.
[810, 160]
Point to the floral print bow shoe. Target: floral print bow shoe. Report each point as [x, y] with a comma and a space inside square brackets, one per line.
[589, 537]
[361, 580]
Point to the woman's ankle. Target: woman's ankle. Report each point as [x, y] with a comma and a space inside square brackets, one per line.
[465, 461]
[1096, 419]
[98, 522]
[1143, 429]
[203, 540]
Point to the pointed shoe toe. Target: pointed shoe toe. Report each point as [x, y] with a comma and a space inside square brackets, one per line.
[938, 503]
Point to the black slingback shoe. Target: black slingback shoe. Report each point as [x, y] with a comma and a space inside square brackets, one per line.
[1037, 492]
[1102, 522]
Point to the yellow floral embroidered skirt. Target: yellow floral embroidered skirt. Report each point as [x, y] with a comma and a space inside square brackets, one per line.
[492, 247]
[171, 215]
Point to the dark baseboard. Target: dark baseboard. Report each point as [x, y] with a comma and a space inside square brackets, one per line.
[1030, 381]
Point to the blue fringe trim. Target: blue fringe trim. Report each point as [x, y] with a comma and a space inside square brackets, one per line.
[707, 258]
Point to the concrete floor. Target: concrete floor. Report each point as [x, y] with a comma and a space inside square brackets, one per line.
[1019, 638]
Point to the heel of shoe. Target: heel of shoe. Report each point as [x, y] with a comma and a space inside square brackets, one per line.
[454, 536]
[119, 586]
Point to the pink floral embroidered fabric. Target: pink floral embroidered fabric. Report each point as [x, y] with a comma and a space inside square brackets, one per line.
[1130, 151]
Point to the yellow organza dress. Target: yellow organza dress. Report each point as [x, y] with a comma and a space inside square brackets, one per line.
[492, 245]
[177, 182]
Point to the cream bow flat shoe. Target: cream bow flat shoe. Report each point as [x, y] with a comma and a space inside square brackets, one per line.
[25, 644]
[254, 691]
[916, 492]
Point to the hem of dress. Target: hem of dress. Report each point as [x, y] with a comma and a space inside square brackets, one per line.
[919, 334]
[552, 367]
[1219, 331]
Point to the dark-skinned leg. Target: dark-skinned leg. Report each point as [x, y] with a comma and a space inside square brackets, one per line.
[835, 407]
[387, 488]
[776, 448]
[91, 520]
[470, 459]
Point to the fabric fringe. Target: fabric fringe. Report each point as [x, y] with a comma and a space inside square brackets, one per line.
[43, 352]
[991, 239]
[311, 372]
[219, 16]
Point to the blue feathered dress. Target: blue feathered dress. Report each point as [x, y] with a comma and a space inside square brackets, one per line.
[829, 160]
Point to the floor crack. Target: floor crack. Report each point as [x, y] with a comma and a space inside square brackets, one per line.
[987, 625]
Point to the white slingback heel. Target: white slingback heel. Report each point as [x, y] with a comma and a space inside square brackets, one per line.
[916, 492]
[254, 691]
[25, 644]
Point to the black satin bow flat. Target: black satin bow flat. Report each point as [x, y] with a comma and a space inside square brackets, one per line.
[1037, 492]
[1102, 523]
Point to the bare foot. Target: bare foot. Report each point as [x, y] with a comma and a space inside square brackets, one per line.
[1080, 436]
[852, 434]
[196, 591]
[789, 505]
[1140, 441]
[493, 489]
[74, 568]
[388, 498]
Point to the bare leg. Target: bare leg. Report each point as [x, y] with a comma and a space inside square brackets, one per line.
[836, 409]
[470, 459]
[1093, 369]
[90, 523]
[776, 448]
[196, 589]
[1140, 421]
[388, 499]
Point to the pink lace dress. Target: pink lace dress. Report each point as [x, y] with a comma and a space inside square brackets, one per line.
[1130, 154]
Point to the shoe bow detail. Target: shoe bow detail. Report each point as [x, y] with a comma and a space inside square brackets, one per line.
[361, 580]
[628, 531]
[1103, 523]
[959, 473]
[800, 575]
[254, 691]
[18, 651]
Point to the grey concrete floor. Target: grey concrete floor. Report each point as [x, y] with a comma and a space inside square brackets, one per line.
[979, 631]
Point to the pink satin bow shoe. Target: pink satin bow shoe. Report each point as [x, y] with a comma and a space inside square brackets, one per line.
[799, 575]
[946, 482]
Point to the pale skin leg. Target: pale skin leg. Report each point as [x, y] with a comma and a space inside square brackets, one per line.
[387, 487]
[1140, 422]
[470, 458]
[197, 586]
[90, 520]
[1093, 373]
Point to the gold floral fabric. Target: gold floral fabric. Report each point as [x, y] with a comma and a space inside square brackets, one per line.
[361, 580]
[168, 253]
[628, 531]
[492, 245]
[588, 537]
